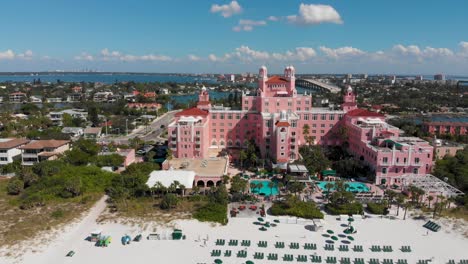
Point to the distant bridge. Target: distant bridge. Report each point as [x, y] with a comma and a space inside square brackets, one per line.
[317, 85]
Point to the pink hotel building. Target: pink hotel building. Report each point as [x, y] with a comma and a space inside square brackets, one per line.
[275, 118]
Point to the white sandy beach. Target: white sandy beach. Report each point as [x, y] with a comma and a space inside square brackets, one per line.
[440, 247]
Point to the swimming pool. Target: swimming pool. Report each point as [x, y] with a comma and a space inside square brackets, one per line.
[352, 186]
[265, 190]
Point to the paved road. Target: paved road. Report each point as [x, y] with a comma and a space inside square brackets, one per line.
[150, 132]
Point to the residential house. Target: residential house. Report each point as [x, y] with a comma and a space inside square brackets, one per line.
[39, 150]
[92, 132]
[54, 100]
[73, 132]
[128, 154]
[144, 106]
[57, 117]
[10, 149]
[18, 97]
[102, 96]
[74, 97]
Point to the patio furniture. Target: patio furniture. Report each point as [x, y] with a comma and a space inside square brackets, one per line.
[387, 261]
[272, 256]
[258, 255]
[345, 260]
[220, 242]
[343, 248]
[262, 244]
[279, 244]
[432, 226]
[242, 254]
[402, 261]
[374, 261]
[245, 243]
[288, 257]
[331, 260]
[216, 253]
[375, 248]
[358, 248]
[359, 261]
[329, 247]
[302, 258]
[387, 249]
[406, 249]
[316, 259]
[233, 242]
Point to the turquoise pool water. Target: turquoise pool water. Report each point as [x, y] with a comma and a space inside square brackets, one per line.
[352, 186]
[265, 190]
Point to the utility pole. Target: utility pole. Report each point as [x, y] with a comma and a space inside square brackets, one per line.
[126, 126]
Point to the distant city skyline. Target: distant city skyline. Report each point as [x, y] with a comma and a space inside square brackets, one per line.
[222, 36]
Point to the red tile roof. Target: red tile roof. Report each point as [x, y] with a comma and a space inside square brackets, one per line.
[363, 113]
[276, 80]
[282, 124]
[40, 144]
[204, 103]
[282, 160]
[192, 112]
[13, 142]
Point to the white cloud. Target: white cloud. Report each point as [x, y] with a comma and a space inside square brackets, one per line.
[7, 55]
[416, 51]
[192, 57]
[27, 55]
[107, 55]
[227, 10]
[273, 18]
[248, 25]
[85, 57]
[246, 54]
[315, 14]
[464, 48]
[340, 52]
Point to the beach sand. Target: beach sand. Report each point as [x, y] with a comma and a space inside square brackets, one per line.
[440, 246]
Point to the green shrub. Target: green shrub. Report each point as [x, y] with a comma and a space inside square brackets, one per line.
[59, 213]
[349, 208]
[295, 207]
[377, 208]
[15, 186]
[212, 212]
[169, 201]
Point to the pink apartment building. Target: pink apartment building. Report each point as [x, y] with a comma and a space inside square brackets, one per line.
[275, 118]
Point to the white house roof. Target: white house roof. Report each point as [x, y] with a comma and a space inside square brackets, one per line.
[167, 177]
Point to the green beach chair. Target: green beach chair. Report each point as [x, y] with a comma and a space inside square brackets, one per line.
[387, 261]
[402, 261]
[359, 261]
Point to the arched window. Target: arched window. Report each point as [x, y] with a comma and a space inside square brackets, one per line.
[229, 143]
[222, 143]
[213, 143]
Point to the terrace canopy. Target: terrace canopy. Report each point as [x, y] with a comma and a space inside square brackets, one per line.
[167, 177]
[430, 184]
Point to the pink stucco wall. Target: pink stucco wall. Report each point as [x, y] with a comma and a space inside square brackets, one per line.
[275, 117]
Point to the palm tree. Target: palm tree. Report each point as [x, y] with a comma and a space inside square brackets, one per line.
[305, 132]
[329, 186]
[242, 157]
[407, 205]
[430, 198]
[400, 199]
[271, 185]
[253, 185]
[182, 189]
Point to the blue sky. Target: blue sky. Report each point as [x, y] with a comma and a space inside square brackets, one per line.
[336, 36]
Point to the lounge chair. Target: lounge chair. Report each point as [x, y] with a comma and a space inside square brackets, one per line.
[402, 261]
[387, 261]
[345, 260]
[359, 261]
[227, 253]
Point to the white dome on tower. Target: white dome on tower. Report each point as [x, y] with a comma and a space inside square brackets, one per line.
[350, 89]
[203, 88]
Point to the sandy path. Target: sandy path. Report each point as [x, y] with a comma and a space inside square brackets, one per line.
[70, 238]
